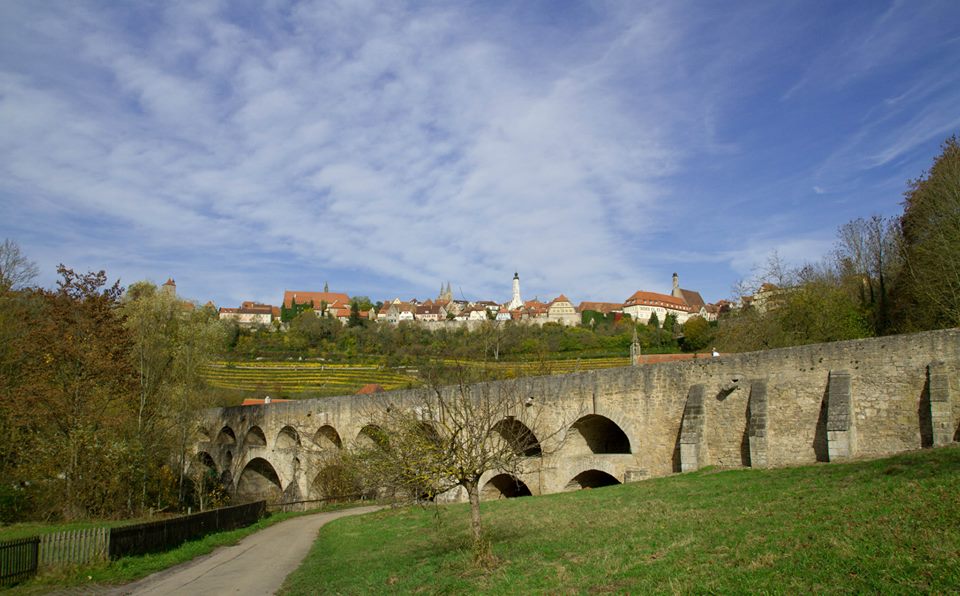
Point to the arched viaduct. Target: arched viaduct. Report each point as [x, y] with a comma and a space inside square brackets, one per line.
[823, 402]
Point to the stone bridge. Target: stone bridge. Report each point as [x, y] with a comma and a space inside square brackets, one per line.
[823, 402]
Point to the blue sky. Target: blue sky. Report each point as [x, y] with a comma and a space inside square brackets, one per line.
[245, 148]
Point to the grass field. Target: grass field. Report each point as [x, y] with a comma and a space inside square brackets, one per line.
[295, 378]
[888, 526]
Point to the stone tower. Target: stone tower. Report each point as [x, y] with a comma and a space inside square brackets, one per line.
[515, 302]
[169, 287]
[676, 287]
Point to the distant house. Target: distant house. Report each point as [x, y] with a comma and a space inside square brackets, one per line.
[562, 311]
[295, 302]
[643, 305]
[431, 312]
[601, 307]
[250, 314]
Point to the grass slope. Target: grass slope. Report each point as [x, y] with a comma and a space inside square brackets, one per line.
[890, 526]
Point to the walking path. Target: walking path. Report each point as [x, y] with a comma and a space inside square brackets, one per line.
[256, 565]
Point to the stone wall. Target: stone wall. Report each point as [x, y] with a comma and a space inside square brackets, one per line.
[823, 402]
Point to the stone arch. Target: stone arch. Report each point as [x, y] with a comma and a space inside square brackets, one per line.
[327, 437]
[206, 460]
[226, 436]
[203, 434]
[504, 486]
[519, 436]
[591, 479]
[259, 480]
[372, 435]
[255, 437]
[594, 433]
[288, 438]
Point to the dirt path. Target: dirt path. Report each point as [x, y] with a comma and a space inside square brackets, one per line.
[258, 564]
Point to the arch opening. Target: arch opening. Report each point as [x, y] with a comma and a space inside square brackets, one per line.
[591, 479]
[288, 438]
[226, 477]
[203, 434]
[327, 437]
[598, 434]
[206, 460]
[226, 436]
[371, 436]
[259, 480]
[504, 486]
[519, 436]
[255, 438]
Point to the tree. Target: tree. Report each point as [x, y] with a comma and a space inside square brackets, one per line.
[449, 437]
[75, 398]
[355, 320]
[931, 245]
[697, 334]
[16, 271]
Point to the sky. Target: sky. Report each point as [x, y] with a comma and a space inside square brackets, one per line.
[246, 148]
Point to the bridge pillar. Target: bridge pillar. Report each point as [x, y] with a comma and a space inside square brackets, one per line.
[757, 426]
[841, 437]
[691, 430]
[941, 410]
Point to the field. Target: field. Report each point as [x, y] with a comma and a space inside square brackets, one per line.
[308, 379]
[888, 526]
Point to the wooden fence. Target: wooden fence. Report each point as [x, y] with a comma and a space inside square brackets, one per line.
[18, 559]
[74, 547]
[166, 534]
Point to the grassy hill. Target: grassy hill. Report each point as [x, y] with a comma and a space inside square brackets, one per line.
[890, 526]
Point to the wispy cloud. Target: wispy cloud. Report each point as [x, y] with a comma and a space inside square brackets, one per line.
[387, 148]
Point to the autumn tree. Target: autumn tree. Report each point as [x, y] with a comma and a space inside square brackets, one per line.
[931, 245]
[171, 340]
[74, 399]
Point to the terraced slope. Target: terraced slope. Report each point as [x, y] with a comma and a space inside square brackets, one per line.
[317, 378]
[305, 377]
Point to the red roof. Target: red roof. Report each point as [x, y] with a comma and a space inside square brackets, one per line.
[370, 388]
[330, 298]
[604, 307]
[655, 299]
[252, 401]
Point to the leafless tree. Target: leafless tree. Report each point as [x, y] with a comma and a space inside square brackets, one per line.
[442, 438]
[16, 271]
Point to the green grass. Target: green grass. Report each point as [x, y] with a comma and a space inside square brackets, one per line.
[884, 526]
[27, 529]
[130, 569]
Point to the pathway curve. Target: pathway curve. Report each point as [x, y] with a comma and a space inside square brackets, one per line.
[258, 564]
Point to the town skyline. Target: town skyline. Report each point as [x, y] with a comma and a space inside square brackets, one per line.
[595, 148]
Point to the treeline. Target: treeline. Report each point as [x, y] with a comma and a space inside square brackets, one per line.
[99, 391]
[409, 343]
[885, 276]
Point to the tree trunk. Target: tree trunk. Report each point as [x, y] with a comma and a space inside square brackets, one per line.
[473, 491]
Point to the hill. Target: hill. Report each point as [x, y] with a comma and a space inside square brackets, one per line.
[886, 526]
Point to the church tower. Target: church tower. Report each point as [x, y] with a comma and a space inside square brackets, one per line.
[515, 302]
[676, 287]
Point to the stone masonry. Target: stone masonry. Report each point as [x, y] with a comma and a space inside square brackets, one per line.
[823, 402]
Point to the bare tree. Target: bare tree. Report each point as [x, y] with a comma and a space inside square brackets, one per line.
[449, 437]
[16, 271]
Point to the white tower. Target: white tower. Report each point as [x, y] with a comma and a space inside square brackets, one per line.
[515, 302]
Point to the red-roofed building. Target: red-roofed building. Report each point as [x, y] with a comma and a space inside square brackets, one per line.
[642, 305]
[562, 311]
[250, 314]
